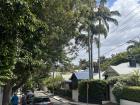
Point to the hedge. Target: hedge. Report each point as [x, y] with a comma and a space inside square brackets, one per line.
[131, 93]
[97, 91]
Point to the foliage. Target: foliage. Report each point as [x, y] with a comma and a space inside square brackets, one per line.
[131, 93]
[64, 93]
[132, 79]
[83, 64]
[53, 83]
[114, 60]
[121, 58]
[122, 84]
[126, 92]
[115, 79]
[118, 90]
[134, 44]
[31, 35]
[135, 78]
[97, 90]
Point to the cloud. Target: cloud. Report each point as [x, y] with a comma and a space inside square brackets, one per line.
[128, 29]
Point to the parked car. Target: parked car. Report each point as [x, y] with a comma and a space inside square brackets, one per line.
[42, 101]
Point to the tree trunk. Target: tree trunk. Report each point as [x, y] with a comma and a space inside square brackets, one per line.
[89, 54]
[99, 52]
[7, 91]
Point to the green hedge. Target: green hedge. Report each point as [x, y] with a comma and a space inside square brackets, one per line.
[97, 91]
[64, 93]
[131, 93]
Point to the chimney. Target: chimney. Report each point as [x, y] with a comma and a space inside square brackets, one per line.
[132, 62]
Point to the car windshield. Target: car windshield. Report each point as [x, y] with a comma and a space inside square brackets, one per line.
[36, 100]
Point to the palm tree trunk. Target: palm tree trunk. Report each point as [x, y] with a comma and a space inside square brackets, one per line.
[99, 52]
[89, 53]
[91, 42]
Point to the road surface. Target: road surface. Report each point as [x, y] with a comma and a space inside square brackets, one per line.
[55, 102]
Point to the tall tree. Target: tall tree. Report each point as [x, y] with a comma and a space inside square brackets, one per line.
[87, 24]
[32, 33]
[104, 15]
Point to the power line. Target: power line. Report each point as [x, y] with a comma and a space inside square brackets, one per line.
[120, 45]
[126, 16]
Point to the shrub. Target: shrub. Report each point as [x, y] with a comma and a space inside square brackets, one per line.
[132, 79]
[135, 78]
[118, 91]
[131, 93]
[64, 93]
[123, 79]
[97, 91]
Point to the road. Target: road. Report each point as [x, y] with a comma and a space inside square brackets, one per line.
[55, 102]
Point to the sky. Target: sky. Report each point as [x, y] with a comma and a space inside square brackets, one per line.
[128, 29]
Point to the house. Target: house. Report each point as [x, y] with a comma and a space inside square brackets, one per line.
[121, 69]
[78, 76]
[83, 75]
[118, 70]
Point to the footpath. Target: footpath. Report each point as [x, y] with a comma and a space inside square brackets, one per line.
[63, 100]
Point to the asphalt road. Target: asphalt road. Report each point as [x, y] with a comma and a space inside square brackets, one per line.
[55, 102]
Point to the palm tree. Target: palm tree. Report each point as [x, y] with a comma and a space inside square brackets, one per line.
[134, 44]
[88, 24]
[104, 15]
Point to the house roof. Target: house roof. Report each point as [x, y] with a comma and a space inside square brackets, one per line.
[84, 74]
[124, 68]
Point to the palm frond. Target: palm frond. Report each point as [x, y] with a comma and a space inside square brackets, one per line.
[132, 41]
[103, 2]
[109, 19]
[115, 13]
[130, 47]
[82, 40]
[106, 25]
[100, 29]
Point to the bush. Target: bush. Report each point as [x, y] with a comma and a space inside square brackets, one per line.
[118, 91]
[64, 93]
[128, 93]
[131, 93]
[115, 79]
[132, 79]
[97, 91]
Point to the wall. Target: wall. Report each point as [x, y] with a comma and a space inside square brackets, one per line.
[1, 94]
[75, 94]
[126, 102]
[112, 97]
